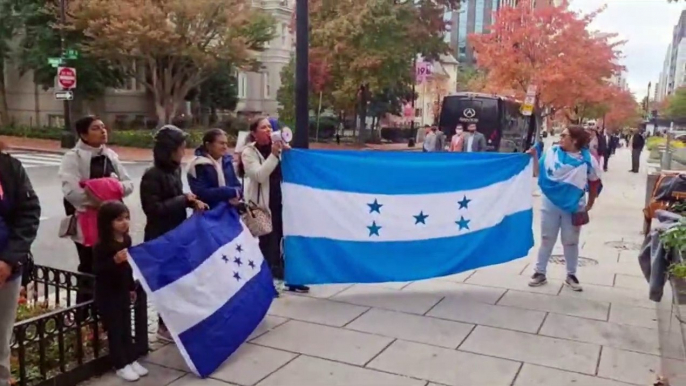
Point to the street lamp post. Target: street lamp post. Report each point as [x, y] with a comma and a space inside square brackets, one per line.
[67, 139]
[302, 113]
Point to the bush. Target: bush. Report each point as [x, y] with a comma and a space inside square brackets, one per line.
[397, 134]
[655, 142]
[233, 125]
[126, 138]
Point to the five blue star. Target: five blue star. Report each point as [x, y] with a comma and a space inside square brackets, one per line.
[239, 248]
[226, 259]
[251, 264]
[550, 171]
[420, 218]
[375, 207]
[237, 261]
[236, 276]
[373, 229]
[464, 203]
[557, 165]
[464, 224]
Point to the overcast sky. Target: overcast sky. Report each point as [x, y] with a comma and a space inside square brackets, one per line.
[647, 26]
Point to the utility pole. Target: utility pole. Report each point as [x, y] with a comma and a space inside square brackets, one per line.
[67, 139]
[302, 87]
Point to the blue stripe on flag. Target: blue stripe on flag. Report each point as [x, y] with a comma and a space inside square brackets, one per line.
[197, 237]
[211, 341]
[323, 261]
[399, 172]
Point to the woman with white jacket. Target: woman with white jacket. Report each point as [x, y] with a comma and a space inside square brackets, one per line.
[89, 159]
[261, 167]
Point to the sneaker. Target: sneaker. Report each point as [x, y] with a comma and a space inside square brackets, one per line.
[138, 369]
[537, 280]
[128, 374]
[573, 283]
[302, 289]
[164, 335]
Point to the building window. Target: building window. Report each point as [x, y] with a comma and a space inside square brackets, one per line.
[267, 85]
[479, 18]
[242, 81]
[284, 35]
[418, 112]
[55, 120]
[132, 84]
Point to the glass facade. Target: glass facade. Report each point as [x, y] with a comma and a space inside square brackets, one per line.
[462, 33]
[479, 19]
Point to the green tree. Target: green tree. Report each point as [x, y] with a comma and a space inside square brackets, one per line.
[676, 109]
[9, 24]
[40, 41]
[219, 91]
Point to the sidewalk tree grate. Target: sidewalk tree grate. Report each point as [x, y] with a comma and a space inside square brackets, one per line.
[624, 245]
[583, 261]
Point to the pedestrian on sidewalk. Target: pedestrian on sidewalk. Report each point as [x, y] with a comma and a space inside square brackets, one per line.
[162, 198]
[456, 142]
[474, 141]
[115, 288]
[19, 218]
[211, 174]
[90, 159]
[637, 144]
[440, 139]
[261, 167]
[430, 139]
[607, 146]
[567, 171]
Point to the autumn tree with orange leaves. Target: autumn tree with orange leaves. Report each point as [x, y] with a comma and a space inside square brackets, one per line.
[553, 48]
[372, 43]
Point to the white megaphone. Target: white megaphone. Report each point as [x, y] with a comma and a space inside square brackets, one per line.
[284, 135]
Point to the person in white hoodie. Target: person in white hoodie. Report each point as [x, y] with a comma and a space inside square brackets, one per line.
[89, 159]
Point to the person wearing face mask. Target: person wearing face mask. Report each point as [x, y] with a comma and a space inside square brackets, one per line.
[211, 174]
[474, 141]
[90, 159]
[456, 143]
[261, 167]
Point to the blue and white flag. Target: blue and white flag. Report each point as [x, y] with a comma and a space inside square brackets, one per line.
[366, 217]
[209, 282]
[564, 177]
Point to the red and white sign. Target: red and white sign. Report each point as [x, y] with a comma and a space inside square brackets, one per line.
[66, 78]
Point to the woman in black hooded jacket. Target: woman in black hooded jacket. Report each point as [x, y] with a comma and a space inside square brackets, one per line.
[162, 197]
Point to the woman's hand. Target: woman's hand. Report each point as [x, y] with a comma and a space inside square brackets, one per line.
[277, 147]
[121, 257]
[532, 152]
[589, 206]
[235, 201]
[199, 206]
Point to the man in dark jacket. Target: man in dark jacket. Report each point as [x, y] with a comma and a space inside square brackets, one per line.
[20, 216]
[637, 144]
[162, 198]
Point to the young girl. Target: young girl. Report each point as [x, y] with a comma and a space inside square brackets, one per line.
[115, 288]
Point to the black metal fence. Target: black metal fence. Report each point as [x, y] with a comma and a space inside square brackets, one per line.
[57, 341]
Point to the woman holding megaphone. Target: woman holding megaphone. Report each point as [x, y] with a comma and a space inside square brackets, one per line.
[261, 167]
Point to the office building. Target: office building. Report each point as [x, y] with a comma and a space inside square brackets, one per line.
[673, 74]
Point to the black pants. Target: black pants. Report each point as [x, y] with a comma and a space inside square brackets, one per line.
[606, 158]
[85, 292]
[117, 319]
[270, 244]
[635, 159]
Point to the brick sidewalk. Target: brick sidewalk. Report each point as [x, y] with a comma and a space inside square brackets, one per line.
[145, 155]
[479, 328]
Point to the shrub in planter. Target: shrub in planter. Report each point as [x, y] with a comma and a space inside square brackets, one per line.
[31, 132]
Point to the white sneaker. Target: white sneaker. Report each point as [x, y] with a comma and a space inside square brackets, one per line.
[128, 374]
[138, 369]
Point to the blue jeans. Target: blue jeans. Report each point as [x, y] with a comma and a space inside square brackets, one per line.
[555, 221]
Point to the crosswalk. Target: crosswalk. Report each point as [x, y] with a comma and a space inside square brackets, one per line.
[41, 159]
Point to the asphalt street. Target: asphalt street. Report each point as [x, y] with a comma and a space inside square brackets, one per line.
[49, 249]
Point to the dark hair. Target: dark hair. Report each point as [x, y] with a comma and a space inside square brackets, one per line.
[579, 135]
[211, 136]
[83, 124]
[108, 212]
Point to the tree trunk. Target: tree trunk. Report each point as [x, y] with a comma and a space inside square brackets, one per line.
[4, 110]
[166, 109]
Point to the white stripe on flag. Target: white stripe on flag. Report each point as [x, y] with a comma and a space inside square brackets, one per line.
[194, 297]
[346, 216]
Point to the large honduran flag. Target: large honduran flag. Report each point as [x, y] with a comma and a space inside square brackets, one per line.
[364, 217]
[209, 282]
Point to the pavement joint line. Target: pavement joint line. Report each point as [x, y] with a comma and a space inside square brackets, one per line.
[597, 366]
[434, 306]
[519, 370]
[545, 317]
[275, 370]
[355, 318]
[502, 296]
[380, 352]
[474, 325]
[609, 312]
